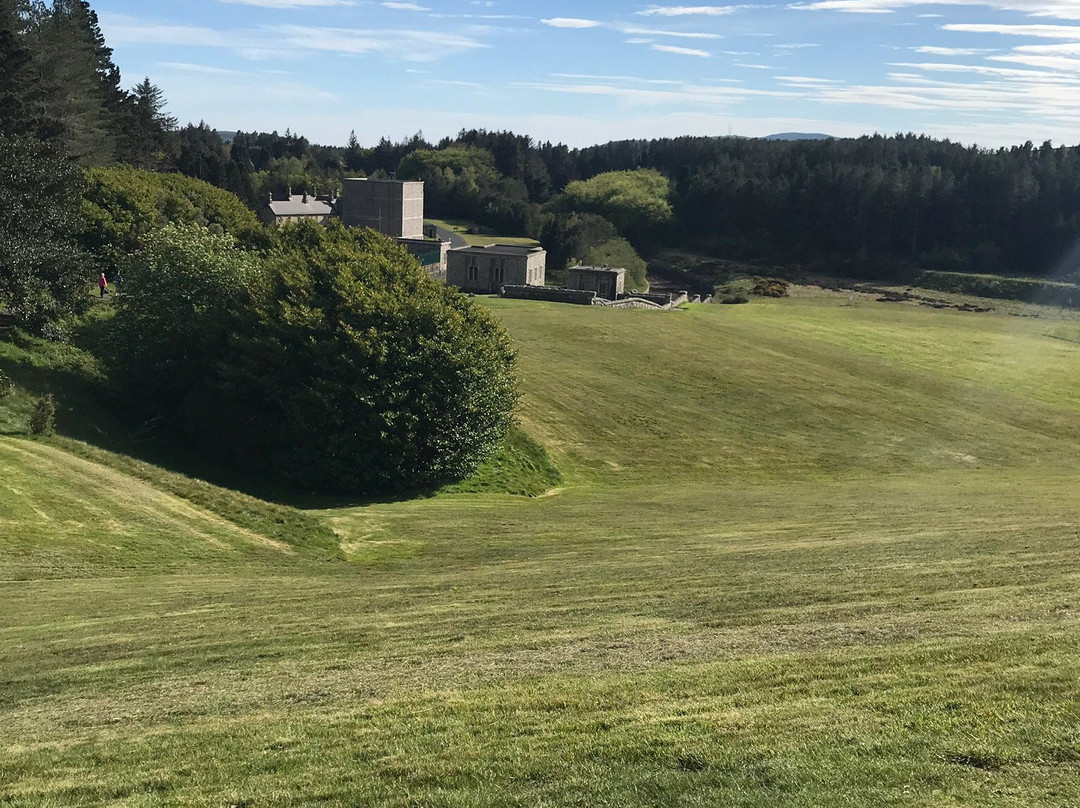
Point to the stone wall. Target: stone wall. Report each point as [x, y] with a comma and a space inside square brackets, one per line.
[576, 296]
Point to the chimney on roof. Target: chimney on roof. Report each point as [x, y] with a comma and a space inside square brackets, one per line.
[304, 200]
[290, 192]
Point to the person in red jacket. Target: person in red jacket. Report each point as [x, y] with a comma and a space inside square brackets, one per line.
[103, 285]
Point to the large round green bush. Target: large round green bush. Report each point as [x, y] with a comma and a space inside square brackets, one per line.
[339, 364]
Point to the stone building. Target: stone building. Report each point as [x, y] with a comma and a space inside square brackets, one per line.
[486, 269]
[392, 207]
[430, 252]
[297, 208]
[607, 282]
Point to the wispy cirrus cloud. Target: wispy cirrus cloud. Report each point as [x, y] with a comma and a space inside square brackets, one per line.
[405, 6]
[631, 93]
[410, 45]
[1040, 31]
[682, 51]
[289, 3]
[1060, 9]
[285, 41]
[933, 50]
[123, 29]
[677, 34]
[689, 11]
[571, 22]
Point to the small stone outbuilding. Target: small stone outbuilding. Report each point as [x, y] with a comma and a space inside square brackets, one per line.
[485, 270]
[607, 282]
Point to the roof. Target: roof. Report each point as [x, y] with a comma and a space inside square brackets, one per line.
[500, 249]
[600, 270]
[300, 205]
[374, 180]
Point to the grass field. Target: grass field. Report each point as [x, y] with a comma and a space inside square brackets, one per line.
[462, 226]
[802, 553]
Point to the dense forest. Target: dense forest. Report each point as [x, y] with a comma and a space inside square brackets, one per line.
[871, 205]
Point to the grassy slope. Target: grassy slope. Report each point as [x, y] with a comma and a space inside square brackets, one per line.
[804, 554]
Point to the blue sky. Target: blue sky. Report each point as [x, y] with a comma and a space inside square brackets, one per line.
[992, 72]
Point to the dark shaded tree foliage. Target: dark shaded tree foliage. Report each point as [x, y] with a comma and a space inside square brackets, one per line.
[333, 359]
[375, 376]
[44, 275]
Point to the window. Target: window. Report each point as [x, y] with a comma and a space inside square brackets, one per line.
[474, 272]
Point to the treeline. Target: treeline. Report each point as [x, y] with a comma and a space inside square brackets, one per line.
[874, 205]
[868, 206]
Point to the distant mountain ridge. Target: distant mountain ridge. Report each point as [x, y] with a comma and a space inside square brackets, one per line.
[799, 136]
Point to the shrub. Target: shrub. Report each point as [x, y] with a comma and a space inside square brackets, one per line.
[122, 205]
[770, 287]
[43, 419]
[368, 374]
[185, 291]
[335, 362]
[7, 386]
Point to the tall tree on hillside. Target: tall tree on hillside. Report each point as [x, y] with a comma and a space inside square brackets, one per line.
[14, 59]
[43, 272]
[73, 78]
[148, 141]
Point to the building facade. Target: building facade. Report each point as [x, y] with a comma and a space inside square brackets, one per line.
[485, 269]
[392, 207]
[607, 282]
[431, 253]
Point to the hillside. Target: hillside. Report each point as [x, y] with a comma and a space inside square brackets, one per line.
[804, 552]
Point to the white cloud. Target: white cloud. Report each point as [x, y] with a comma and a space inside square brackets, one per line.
[615, 79]
[405, 6]
[571, 22]
[681, 51]
[688, 11]
[1060, 9]
[679, 34]
[808, 81]
[187, 67]
[936, 51]
[1050, 62]
[288, 3]
[120, 29]
[407, 45]
[1042, 31]
[985, 70]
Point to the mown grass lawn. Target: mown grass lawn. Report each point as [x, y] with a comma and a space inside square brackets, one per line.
[803, 553]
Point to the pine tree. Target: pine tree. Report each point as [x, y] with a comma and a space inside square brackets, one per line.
[148, 142]
[72, 78]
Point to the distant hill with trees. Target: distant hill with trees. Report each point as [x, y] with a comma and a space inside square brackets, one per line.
[875, 205]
